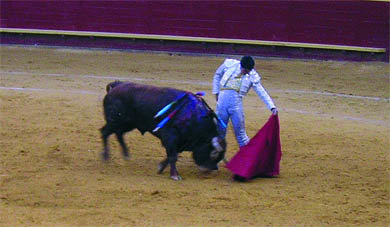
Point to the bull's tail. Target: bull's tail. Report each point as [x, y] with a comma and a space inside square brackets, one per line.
[112, 85]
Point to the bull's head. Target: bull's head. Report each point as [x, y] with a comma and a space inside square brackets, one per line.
[208, 155]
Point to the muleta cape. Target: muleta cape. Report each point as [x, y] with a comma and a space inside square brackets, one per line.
[262, 155]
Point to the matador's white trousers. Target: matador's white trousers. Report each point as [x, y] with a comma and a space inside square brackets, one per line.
[229, 106]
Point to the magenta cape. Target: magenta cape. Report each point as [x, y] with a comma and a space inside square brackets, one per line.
[261, 156]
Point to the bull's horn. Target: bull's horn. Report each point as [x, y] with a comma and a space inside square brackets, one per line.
[216, 144]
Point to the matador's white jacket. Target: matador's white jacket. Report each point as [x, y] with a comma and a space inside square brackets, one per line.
[232, 68]
[232, 87]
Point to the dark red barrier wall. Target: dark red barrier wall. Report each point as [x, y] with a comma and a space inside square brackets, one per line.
[353, 23]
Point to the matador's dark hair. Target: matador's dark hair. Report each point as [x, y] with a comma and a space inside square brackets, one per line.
[247, 62]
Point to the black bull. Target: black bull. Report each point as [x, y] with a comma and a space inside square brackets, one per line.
[129, 106]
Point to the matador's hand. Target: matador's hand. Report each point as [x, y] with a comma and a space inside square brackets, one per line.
[274, 111]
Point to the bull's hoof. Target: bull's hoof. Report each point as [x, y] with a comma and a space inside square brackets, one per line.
[177, 178]
[160, 168]
[105, 156]
[126, 157]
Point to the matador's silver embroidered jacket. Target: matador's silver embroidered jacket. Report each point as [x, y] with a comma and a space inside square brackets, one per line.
[232, 68]
[232, 87]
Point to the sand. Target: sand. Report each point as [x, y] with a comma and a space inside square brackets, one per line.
[334, 119]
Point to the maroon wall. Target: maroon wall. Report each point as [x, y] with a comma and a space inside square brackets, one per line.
[352, 23]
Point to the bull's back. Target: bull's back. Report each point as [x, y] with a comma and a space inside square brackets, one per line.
[137, 104]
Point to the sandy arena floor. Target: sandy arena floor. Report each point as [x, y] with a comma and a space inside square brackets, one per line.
[334, 119]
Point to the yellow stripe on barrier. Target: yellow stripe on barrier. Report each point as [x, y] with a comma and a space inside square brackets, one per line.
[194, 39]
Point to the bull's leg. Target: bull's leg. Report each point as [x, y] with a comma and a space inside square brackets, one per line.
[172, 159]
[170, 140]
[106, 132]
[125, 150]
[163, 164]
